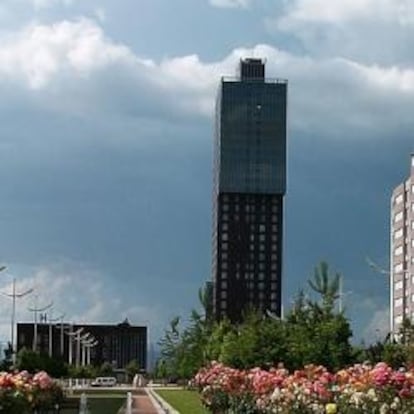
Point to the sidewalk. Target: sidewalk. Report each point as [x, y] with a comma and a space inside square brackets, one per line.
[142, 404]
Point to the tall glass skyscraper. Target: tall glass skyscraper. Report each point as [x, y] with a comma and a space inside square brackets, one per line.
[248, 191]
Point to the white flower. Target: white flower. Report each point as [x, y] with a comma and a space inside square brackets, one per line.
[385, 408]
[276, 394]
[396, 403]
[372, 394]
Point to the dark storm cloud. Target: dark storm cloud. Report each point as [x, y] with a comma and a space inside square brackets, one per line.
[106, 160]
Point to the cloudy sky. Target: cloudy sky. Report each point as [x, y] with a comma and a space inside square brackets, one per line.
[106, 146]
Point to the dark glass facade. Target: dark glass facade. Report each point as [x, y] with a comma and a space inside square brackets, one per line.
[249, 186]
[116, 344]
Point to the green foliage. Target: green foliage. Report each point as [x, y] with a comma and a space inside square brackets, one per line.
[184, 351]
[13, 403]
[105, 370]
[216, 343]
[313, 332]
[205, 297]
[167, 366]
[84, 372]
[32, 362]
[6, 363]
[394, 355]
[132, 368]
[258, 341]
[316, 333]
[324, 284]
[374, 353]
[399, 353]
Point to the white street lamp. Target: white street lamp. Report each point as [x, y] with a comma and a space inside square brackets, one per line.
[35, 311]
[14, 295]
[81, 357]
[79, 339]
[51, 320]
[62, 338]
[341, 295]
[72, 335]
[88, 346]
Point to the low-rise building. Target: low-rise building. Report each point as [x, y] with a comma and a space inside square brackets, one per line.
[83, 344]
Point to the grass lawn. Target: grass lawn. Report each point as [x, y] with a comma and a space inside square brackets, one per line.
[104, 405]
[184, 401]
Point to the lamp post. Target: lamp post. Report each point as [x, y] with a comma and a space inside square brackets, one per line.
[14, 295]
[62, 336]
[35, 311]
[341, 295]
[51, 320]
[88, 346]
[80, 354]
[72, 335]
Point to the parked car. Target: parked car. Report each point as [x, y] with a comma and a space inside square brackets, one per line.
[103, 382]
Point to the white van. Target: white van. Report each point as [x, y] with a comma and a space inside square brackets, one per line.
[103, 382]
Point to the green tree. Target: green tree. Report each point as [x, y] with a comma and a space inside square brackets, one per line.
[216, 340]
[6, 363]
[395, 355]
[316, 333]
[169, 345]
[184, 352]
[373, 353]
[313, 332]
[161, 369]
[32, 362]
[132, 368]
[257, 341]
[327, 287]
[106, 370]
[401, 352]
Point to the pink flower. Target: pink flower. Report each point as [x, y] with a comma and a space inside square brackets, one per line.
[43, 380]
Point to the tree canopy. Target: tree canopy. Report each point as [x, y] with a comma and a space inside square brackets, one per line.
[312, 332]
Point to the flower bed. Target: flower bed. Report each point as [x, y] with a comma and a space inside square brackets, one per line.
[313, 390]
[21, 393]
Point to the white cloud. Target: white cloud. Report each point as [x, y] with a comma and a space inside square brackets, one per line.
[39, 52]
[81, 293]
[73, 66]
[369, 31]
[231, 3]
[387, 79]
[50, 57]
